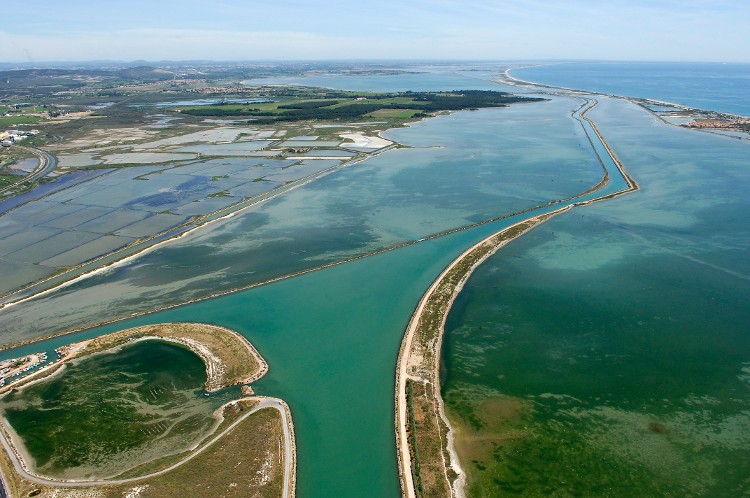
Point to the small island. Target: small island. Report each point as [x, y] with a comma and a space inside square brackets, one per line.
[120, 415]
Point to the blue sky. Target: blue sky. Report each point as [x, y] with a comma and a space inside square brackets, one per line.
[685, 30]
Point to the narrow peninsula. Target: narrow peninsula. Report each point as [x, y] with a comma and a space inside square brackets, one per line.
[428, 462]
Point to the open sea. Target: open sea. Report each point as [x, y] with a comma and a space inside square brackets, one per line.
[711, 86]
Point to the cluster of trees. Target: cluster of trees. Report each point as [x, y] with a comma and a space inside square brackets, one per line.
[423, 102]
[465, 99]
[345, 112]
[311, 104]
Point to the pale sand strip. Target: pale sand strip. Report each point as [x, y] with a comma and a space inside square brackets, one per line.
[414, 359]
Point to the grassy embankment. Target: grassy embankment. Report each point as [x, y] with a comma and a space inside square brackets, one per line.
[229, 358]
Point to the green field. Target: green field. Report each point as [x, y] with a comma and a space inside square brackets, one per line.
[17, 120]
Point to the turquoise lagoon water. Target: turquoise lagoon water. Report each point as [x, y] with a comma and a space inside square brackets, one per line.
[617, 333]
[331, 339]
[479, 165]
[710, 86]
[418, 79]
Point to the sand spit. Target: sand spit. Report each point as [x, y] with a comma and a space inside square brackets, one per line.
[428, 462]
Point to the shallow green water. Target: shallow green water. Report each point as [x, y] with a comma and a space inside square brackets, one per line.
[617, 333]
[109, 412]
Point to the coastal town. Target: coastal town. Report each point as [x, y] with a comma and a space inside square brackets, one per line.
[14, 369]
[10, 137]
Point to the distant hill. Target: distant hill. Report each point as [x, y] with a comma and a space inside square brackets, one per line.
[146, 73]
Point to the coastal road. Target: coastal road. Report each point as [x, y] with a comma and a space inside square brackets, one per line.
[47, 163]
[3, 488]
[274, 403]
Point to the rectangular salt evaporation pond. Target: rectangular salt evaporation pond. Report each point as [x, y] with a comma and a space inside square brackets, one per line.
[263, 168]
[303, 169]
[207, 205]
[29, 215]
[15, 223]
[16, 274]
[29, 209]
[232, 149]
[331, 153]
[241, 170]
[228, 134]
[25, 238]
[119, 195]
[54, 211]
[191, 189]
[152, 225]
[251, 189]
[197, 183]
[227, 166]
[264, 153]
[51, 246]
[114, 221]
[257, 135]
[10, 226]
[78, 217]
[145, 158]
[79, 160]
[67, 180]
[135, 193]
[114, 177]
[85, 252]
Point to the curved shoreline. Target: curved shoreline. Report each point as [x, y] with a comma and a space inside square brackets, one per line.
[411, 356]
[515, 81]
[264, 403]
[186, 334]
[214, 348]
[419, 355]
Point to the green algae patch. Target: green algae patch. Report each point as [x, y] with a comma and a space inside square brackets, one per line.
[123, 402]
[554, 447]
[244, 462]
[106, 413]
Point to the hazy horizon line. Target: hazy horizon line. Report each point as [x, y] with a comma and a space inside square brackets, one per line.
[360, 60]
